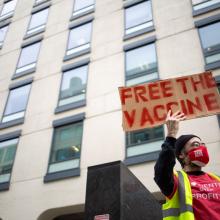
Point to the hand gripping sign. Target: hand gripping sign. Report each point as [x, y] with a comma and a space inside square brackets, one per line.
[146, 105]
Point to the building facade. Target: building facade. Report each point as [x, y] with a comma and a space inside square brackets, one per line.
[61, 63]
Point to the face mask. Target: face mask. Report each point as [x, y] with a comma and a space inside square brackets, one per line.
[199, 156]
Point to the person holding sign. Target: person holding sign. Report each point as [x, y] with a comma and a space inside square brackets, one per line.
[191, 194]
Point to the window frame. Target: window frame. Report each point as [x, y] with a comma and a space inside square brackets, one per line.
[82, 51]
[5, 24]
[30, 70]
[6, 137]
[135, 45]
[76, 104]
[141, 31]
[150, 156]
[40, 2]
[204, 9]
[35, 11]
[10, 14]
[200, 24]
[16, 121]
[63, 174]
[142, 158]
[78, 15]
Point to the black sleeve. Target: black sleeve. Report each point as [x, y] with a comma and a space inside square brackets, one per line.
[163, 169]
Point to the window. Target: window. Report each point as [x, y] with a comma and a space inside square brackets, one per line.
[66, 147]
[16, 104]
[3, 31]
[141, 64]
[141, 67]
[79, 39]
[7, 155]
[210, 39]
[73, 86]
[144, 141]
[38, 21]
[201, 6]
[28, 58]
[138, 17]
[8, 9]
[82, 6]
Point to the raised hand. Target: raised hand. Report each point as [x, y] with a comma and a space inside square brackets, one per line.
[172, 122]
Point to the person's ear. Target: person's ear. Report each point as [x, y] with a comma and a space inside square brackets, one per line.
[182, 155]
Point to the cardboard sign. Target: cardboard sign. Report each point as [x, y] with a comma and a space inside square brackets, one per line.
[146, 105]
[102, 217]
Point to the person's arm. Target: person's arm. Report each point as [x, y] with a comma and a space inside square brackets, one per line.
[163, 175]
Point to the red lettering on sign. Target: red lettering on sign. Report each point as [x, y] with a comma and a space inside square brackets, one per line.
[195, 83]
[183, 107]
[183, 84]
[130, 117]
[139, 92]
[125, 93]
[192, 106]
[210, 81]
[170, 104]
[154, 92]
[156, 113]
[166, 88]
[211, 102]
[145, 117]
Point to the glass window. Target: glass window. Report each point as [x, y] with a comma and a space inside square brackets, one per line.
[81, 6]
[28, 57]
[7, 155]
[16, 104]
[8, 9]
[79, 38]
[200, 4]
[144, 141]
[141, 65]
[38, 21]
[210, 39]
[138, 17]
[3, 31]
[73, 86]
[66, 147]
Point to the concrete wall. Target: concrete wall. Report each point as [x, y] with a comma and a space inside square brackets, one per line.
[179, 53]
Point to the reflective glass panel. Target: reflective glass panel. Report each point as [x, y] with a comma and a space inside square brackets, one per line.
[29, 55]
[17, 100]
[141, 59]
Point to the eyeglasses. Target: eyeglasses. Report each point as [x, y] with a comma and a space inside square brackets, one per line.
[196, 144]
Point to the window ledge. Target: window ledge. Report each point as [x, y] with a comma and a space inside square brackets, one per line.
[49, 177]
[40, 3]
[4, 186]
[77, 54]
[11, 123]
[5, 22]
[206, 9]
[73, 17]
[5, 18]
[140, 32]
[34, 33]
[212, 66]
[26, 72]
[70, 106]
[141, 158]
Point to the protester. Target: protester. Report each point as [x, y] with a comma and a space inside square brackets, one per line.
[191, 194]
